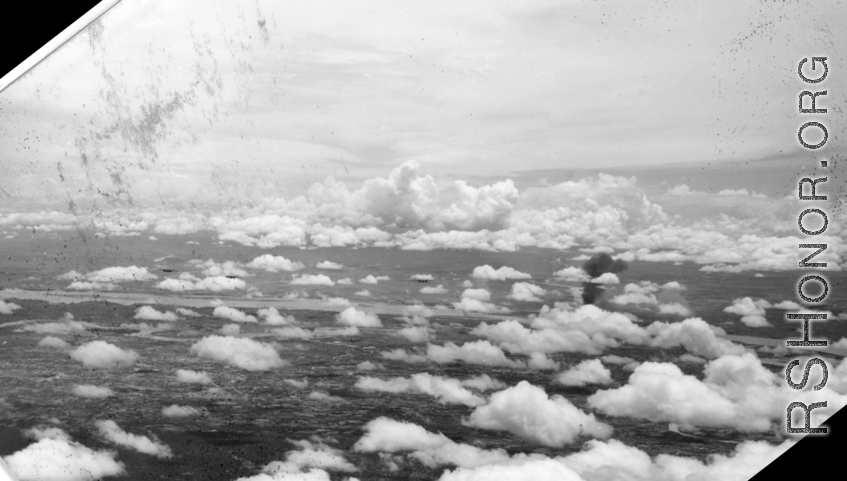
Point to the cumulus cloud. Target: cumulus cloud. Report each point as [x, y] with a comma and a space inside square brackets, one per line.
[529, 413]
[345, 281]
[329, 265]
[215, 269]
[188, 282]
[177, 411]
[51, 341]
[370, 279]
[590, 371]
[483, 382]
[422, 277]
[272, 263]
[446, 390]
[415, 333]
[193, 377]
[246, 354]
[696, 335]
[272, 316]
[8, 307]
[308, 463]
[187, 312]
[476, 300]
[368, 366]
[111, 432]
[736, 392]
[325, 397]
[311, 279]
[439, 289]
[91, 391]
[233, 314]
[112, 275]
[752, 312]
[354, 317]
[102, 355]
[477, 352]
[606, 278]
[524, 291]
[230, 330]
[57, 458]
[501, 274]
[572, 274]
[148, 313]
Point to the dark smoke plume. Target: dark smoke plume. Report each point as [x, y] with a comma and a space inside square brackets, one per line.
[596, 266]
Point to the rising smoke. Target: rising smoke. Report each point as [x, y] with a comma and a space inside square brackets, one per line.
[596, 266]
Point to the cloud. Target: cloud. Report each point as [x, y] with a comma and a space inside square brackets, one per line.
[674, 308]
[310, 279]
[329, 265]
[8, 307]
[446, 390]
[526, 292]
[483, 382]
[90, 286]
[187, 312]
[315, 455]
[477, 352]
[606, 278]
[58, 458]
[439, 289]
[696, 335]
[529, 413]
[230, 330]
[177, 411]
[193, 377]
[112, 275]
[422, 277]
[324, 397]
[215, 269]
[368, 366]
[572, 274]
[233, 314]
[586, 372]
[246, 354]
[345, 281]
[415, 333]
[272, 316]
[150, 314]
[752, 312]
[113, 433]
[370, 279]
[363, 293]
[51, 341]
[354, 317]
[475, 300]
[292, 333]
[102, 355]
[187, 282]
[736, 392]
[91, 391]
[505, 272]
[272, 263]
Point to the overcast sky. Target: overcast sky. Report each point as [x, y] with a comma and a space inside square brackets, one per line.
[161, 101]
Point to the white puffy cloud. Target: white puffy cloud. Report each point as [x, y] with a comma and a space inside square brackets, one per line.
[736, 392]
[540, 361]
[308, 463]
[188, 282]
[292, 333]
[354, 317]
[187, 312]
[102, 355]
[329, 265]
[415, 333]
[696, 335]
[215, 269]
[501, 274]
[477, 352]
[91, 391]
[324, 397]
[345, 281]
[233, 314]
[370, 279]
[110, 275]
[752, 312]
[193, 377]
[8, 307]
[606, 278]
[90, 286]
[422, 277]
[273, 263]
[272, 316]
[58, 458]
[572, 274]
[113, 433]
[246, 354]
[151, 314]
[368, 366]
[439, 289]
[591, 371]
[311, 279]
[483, 382]
[446, 390]
[529, 413]
[51, 341]
[177, 411]
[476, 300]
[230, 330]
[674, 308]
[524, 291]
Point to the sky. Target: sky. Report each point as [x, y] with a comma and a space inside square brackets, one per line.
[203, 102]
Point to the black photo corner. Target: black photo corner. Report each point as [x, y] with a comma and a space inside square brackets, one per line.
[29, 27]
